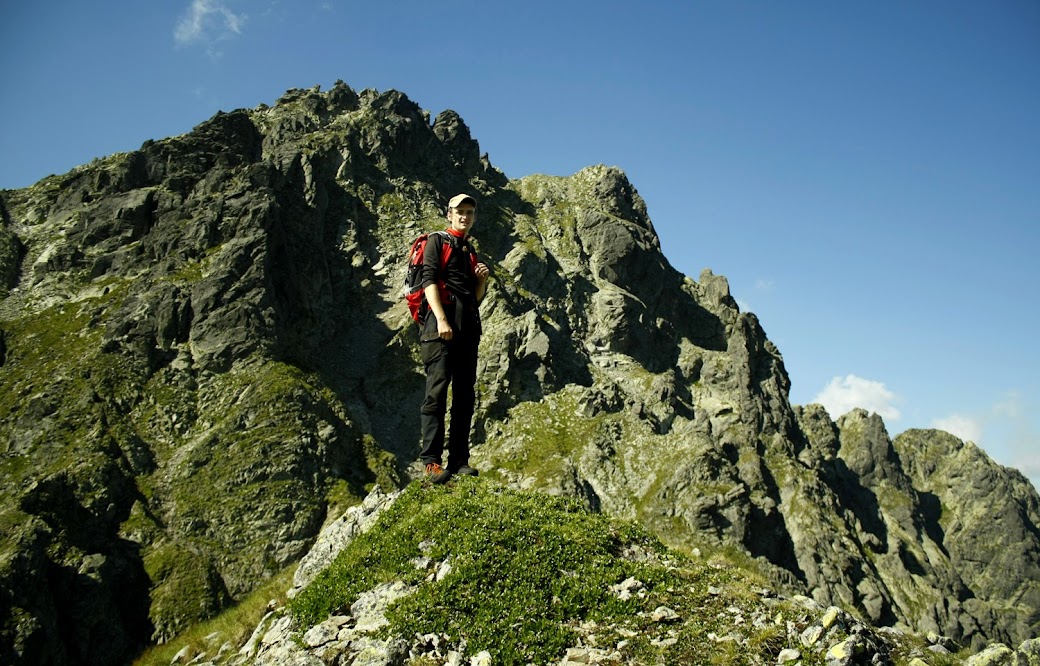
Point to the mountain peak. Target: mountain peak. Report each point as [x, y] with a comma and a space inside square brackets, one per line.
[203, 353]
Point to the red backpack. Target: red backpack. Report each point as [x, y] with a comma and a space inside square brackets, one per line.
[413, 291]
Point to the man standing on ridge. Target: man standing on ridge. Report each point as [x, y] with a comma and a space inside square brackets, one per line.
[449, 337]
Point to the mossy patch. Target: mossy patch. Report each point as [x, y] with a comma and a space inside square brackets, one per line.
[189, 589]
[58, 391]
[546, 433]
[382, 463]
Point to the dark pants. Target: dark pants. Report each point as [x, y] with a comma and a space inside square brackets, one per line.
[451, 363]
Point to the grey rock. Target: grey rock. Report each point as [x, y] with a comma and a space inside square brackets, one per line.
[337, 535]
[811, 635]
[370, 608]
[320, 634]
[482, 658]
[994, 655]
[575, 656]
[1028, 652]
[626, 588]
[787, 654]
[276, 646]
[374, 652]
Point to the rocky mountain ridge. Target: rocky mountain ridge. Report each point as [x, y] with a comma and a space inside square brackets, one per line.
[202, 348]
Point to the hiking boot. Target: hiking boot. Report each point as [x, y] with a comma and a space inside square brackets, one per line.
[466, 470]
[436, 474]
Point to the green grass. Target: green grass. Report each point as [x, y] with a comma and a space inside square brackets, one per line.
[560, 560]
[527, 570]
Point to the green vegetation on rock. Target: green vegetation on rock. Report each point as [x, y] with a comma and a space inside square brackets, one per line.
[528, 573]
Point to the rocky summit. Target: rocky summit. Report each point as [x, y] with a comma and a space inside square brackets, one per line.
[205, 357]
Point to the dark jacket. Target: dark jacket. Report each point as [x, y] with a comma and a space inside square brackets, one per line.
[461, 306]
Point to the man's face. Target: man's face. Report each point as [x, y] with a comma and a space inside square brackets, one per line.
[463, 217]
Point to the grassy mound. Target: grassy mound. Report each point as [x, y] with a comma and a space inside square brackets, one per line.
[531, 574]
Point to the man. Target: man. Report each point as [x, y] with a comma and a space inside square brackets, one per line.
[450, 335]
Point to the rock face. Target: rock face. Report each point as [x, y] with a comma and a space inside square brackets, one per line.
[202, 345]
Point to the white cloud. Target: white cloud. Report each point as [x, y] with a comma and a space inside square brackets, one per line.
[843, 394]
[1010, 407]
[762, 284]
[208, 20]
[1016, 427]
[958, 425]
[1022, 451]
[1029, 464]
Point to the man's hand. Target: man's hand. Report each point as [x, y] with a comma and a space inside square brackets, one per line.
[433, 298]
[481, 271]
[444, 329]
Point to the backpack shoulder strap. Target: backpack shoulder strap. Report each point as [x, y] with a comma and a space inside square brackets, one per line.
[447, 245]
[451, 243]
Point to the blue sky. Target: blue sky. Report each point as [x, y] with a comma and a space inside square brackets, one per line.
[867, 175]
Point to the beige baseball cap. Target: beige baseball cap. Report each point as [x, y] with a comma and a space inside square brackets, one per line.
[460, 198]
